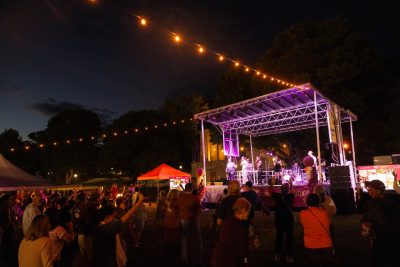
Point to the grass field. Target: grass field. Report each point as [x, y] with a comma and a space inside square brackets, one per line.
[352, 249]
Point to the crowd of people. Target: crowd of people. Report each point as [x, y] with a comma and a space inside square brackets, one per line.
[98, 226]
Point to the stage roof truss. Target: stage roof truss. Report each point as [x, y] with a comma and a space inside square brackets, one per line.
[288, 110]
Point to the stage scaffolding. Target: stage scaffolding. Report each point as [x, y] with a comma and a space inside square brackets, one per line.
[293, 109]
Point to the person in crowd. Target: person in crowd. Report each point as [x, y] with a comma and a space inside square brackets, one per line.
[396, 186]
[160, 210]
[251, 196]
[35, 248]
[104, 237]
[11, 228]
[329, 205]
[381, 220]
[139, 219]
[58, 235]
[225, 209]
[172, 234]
[114, 192]
[317, 239]
[284, 221]
[121, 235]
[84, 220]
[231, 249]
[31, 211]
[189, 210]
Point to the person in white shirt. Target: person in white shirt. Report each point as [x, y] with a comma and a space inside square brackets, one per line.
[30, 212]
[310, 153]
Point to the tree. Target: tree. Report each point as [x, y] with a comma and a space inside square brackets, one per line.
[21, 153]
[328, 54]
[68, 144]
[137, 152]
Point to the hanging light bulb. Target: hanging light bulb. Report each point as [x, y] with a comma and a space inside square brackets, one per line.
[201, 50]
[221, 58]
[177, 38]
[143, 22]
[237, 64]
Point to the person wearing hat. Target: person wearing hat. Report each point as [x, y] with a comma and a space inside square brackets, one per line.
[380, 223]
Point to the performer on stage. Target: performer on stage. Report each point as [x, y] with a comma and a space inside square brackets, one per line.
[231, 169]
[244, 163]
[310, 153]
[278, 169]
[258, 169]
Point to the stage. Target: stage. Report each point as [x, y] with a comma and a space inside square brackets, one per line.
[214, 192]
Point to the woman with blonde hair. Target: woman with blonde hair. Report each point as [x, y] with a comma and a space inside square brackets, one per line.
[35, 248]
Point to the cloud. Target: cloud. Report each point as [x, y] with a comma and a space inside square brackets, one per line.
[51, 107]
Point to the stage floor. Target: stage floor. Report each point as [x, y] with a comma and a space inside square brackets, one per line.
[214, 192]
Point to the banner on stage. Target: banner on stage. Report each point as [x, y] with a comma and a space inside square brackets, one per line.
[332, 121]
[231, 144]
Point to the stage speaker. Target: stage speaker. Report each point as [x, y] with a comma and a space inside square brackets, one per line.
[344, 200]
[339, 172]
[339, 177]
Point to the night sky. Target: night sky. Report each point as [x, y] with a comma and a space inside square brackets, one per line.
[56, 54]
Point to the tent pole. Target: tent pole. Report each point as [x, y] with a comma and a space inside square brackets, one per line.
[318, 141]
[203, 147]
[252, 157]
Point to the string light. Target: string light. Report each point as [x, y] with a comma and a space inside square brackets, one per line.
[201, 50]
[104, 135]
[177, 38]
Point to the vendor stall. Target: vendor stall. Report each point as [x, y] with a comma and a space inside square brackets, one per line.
[384, 173]
[164, 177]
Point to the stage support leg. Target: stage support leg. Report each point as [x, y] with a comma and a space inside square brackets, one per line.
[318, 141]
[203, 147]
[353, 149]
[252, 159]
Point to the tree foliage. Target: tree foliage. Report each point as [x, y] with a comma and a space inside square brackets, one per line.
[330, 55]
[62, 159]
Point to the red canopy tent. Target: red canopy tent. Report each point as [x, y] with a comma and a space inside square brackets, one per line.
[163, 172]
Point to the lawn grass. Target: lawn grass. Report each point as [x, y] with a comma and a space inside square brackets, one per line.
[352, 249]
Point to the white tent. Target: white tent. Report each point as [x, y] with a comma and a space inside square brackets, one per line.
[12, 177]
